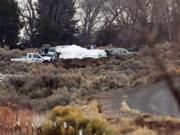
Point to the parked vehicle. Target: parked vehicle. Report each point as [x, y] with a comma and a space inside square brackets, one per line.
[134, 49]
[137, 48]
[117, 52]
[44, 51]
[51, 52]
[33, 57]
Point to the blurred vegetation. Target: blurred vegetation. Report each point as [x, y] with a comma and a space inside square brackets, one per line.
[64, 82]
[10, 23]
[76, 120]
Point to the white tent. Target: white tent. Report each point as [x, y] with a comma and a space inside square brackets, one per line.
[74, 51]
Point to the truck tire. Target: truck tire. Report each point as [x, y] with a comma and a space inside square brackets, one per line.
[46, 62]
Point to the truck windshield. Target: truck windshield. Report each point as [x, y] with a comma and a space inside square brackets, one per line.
[37, 56]
[51, 50]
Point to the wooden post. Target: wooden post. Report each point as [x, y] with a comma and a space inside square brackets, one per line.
[54, 124]
[2, 128]
[32, 126]
[80, 132]
[17, 127]
[12, 130]
[27, 128]
[39, 131]
[66, 128]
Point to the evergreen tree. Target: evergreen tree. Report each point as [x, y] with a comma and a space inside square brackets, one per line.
[56, 24]
[9, 23]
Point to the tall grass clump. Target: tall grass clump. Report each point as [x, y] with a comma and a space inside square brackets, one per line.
[144, 131]
[74, 121]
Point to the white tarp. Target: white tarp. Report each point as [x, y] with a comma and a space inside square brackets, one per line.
[77, 52]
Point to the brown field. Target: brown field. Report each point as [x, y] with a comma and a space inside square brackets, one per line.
[40, 87]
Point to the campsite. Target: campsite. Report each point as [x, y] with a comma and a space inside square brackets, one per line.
[89, 67]
[80, 81]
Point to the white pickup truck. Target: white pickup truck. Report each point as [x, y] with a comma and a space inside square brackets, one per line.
[33, 57]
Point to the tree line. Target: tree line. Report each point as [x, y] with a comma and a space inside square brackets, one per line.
[124, 23]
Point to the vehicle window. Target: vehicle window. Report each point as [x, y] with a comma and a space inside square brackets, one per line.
[29, 56]
[37, 56]
[46, 50]
[51, 50]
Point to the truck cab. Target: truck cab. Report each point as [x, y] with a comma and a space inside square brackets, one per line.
[33, 57]
[51, 52]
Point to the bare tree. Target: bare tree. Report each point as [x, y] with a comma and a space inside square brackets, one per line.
[128, 18]
[90, 16]
[125, 15]
[133, 18]
[29, 17]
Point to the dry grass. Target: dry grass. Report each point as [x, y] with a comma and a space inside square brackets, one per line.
[52, 84]
[10, 115]
[127, 126]
[144, 131]
[133, 122]
[87, 119]
[76, 118]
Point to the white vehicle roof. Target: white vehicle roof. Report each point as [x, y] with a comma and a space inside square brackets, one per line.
[74, 51]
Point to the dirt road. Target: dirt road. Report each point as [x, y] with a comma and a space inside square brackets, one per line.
[155, 99]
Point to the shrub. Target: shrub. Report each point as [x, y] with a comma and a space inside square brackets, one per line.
[35, 85]
[144, 131]
[17, 82]
[76, 119]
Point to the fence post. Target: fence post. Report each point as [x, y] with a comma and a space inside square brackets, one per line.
[80, 132]
[2, 129]
[54, 124]
[27, 128]
[39, 131]
[32, 126]
[16, 128]
[66, 128]
[12, 130]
